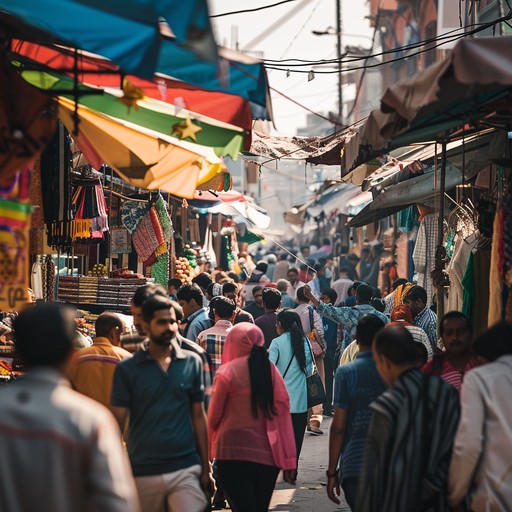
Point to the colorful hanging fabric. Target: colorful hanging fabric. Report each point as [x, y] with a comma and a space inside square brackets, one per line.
[91, 217]
[132, 213]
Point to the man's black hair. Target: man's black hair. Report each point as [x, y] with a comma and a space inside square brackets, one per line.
[399, 282]
[257, 288]
[417, 293]
[367, 327]
[148, 290]
[396, 344]
[203, 280]
[495, 342]
[331, 293]
[174, 282]
[229, 287]
[293, 269]
[223, 306]
[378, 304]
[190, 292]
[455, 314]
[364, 294]
[44, 334]
[271, 298]
[300, 295]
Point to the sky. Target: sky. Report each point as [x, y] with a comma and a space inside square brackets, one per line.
[291, 37]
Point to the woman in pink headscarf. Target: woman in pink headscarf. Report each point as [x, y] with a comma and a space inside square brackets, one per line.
[251, 435]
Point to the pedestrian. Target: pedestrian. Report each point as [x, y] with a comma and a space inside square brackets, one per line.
[314, 329]
[255, 308]
[190, 298]
[267, 322]
[348, 317]
[161, 389]
[332, 337]
[141, 295]
[250, 422]
[212, 340]
[173, 285]
[480, 465]
[295, 282]
[410, 438]
[61, 451]
[91, 371]
[357, 385]
[286, 300]
[457, 358]
[416, 300]
[401, 315]
[232, 291]
[257, 278]
[320, 281]
[292, 355]
[342, 285]
[282, 267]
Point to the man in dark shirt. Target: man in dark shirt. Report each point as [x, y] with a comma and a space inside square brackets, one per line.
[256, 308]
[267, 322]
[161, 388]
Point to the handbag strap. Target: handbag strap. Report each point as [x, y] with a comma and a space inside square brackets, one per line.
[289, 364]
[313, 365]
[311, 319]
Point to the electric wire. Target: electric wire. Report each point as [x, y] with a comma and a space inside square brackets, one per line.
[251, 10]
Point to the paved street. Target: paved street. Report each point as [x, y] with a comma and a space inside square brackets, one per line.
[309, 493]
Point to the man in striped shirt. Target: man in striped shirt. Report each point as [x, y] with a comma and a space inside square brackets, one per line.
[92, 370]
[212, 340]
[416, 300]
[457, 359]
[410, 438]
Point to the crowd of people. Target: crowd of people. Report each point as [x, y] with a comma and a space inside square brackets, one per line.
[210, 402]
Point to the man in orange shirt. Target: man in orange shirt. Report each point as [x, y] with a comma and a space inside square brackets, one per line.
[92, 369]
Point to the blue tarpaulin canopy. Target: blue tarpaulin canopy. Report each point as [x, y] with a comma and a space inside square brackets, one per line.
[125, 31]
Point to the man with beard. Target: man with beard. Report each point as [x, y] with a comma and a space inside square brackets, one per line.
[161, 388]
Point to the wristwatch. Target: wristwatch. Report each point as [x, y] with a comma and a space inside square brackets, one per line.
[331, 475]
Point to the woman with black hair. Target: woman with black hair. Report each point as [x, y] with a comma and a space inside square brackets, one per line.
[292, 355]
[249, 420]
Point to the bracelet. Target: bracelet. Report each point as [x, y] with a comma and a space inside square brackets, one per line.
[334, 474]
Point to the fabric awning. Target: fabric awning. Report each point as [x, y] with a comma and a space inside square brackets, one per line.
[326, 150]
[474, 82]
[127, 32]
[224, 139]
[142, 158]
[227, 108]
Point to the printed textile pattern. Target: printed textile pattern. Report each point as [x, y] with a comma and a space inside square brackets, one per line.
[132, 213]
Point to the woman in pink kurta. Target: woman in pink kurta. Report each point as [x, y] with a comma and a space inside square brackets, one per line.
[251, 435]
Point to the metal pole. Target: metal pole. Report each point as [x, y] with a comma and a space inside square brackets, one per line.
[339, 53]
[440, 252]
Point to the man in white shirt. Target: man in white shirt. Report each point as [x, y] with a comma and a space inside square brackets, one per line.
[480, 467]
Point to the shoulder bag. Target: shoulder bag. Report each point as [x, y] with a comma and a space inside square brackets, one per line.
[317, 345]
[315, 387]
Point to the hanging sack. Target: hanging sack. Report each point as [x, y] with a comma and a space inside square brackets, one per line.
[316, 344]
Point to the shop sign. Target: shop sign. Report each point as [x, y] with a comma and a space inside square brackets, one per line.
[120, 241]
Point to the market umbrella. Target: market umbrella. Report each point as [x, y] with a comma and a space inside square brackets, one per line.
[128, 32]
[26, 125]
[226, 140]
[93, 70]
[140, 157]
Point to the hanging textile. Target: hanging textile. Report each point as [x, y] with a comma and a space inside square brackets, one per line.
[424, 253]
[91, 216]
[160, 269]
[56, 189]
[496, 305]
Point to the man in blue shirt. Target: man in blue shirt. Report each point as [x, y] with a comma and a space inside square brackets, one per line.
[190, 298]
[356, 385]
[348, 317]
[161, 387]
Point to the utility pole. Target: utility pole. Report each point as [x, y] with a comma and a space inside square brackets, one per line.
[339, 52]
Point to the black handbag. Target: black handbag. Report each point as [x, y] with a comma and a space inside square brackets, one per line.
[315, 387]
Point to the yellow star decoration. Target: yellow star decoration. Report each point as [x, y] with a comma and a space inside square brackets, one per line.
[131, 95]
[186, 129]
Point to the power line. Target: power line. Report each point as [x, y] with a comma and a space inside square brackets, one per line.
[251, 10]
[450, 36]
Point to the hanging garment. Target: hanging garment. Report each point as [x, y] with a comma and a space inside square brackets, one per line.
[36, 278]
[496, 306]
[424, 253]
